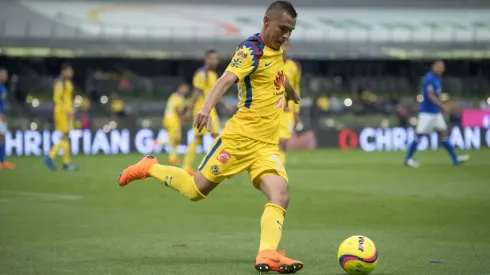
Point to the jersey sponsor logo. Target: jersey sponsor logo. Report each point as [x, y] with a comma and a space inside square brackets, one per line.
[280, 81]
[223, 157]
[279, 103]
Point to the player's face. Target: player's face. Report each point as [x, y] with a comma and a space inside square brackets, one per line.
[3, 76]
[278, 29]
[439, 68]
[184, 89]
[68, 73]
[212, 60]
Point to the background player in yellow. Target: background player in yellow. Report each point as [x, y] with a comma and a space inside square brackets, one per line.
[290, 117]
[173, 118]
[63, 118]
[203, 80]
[249, 141]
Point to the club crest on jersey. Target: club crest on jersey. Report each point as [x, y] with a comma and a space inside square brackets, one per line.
[215, 169]
[280, 81]
[223, 157]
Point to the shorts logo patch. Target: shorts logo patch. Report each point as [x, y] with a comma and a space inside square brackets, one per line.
[215, 169]
[223, 157]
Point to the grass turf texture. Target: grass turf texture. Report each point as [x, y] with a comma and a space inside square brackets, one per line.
[84, 223]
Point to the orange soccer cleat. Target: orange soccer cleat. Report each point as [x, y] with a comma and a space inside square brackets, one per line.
[6, 165]
[173, 162]
[191, 172]
[138, 171]
[271, 260]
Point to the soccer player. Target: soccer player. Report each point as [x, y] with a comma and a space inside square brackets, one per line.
[290, 117]
[3, 119]
[63, 118]
[430, 117]
[172, 120]
[249, 141]
[203, 80]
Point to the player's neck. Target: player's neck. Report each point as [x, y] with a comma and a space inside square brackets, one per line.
[265, 40]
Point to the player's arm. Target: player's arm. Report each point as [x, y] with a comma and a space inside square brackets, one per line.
[431, 95]
[297, 85]
[58, 96]
[199, 83]
[3, 100]
[291, 93]
[242, 64]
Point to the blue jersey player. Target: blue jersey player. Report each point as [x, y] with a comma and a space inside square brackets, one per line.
[430, 116]
[3, 119]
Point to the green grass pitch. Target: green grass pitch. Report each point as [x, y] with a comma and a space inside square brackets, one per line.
[84, 223]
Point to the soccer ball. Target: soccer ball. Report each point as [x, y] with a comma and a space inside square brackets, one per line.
[358, 255]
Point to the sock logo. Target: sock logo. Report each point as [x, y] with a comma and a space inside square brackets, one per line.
[280, 225]
[168, 181]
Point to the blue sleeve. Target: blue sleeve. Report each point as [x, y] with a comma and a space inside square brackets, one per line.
[3, 99]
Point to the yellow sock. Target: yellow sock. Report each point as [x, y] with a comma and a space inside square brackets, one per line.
[178, 179]
[191, 154]
[65, 146]
[54, 150]
[282, 158]
[271, 226]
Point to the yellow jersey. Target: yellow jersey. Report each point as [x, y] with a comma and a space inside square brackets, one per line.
[261, 88]
[63, 95]
[203, 80]
[174, 108]
[292, 70]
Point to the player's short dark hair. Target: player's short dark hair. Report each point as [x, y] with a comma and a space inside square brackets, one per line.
[65, 66]
[3, 68]
[283, 6]
[210, 51]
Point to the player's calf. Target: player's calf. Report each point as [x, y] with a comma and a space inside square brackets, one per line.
[194, 188]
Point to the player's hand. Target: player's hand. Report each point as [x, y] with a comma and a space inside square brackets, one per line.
[445, 109]
[203, 119]
[2, 117]
[292, 95]
[69, 113]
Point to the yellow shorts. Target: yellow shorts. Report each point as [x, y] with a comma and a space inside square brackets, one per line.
[174, 130]
[215, 126]
[286, 125]
[232, 154]
[62, 123]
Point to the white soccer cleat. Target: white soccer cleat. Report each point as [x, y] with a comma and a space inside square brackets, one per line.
[463, 158]
[412, 163]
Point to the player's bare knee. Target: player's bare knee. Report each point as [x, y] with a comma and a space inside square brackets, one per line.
[275, 189]
[443, 134]
[204, 185]
[2, 138]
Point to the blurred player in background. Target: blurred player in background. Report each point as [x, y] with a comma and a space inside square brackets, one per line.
[249, 141]
[63, 118]
[173, 118]
[203, 80]
[3, 119]
[290, 117]
[430, 116]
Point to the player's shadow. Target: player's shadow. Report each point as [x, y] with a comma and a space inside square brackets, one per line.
[181, 260]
